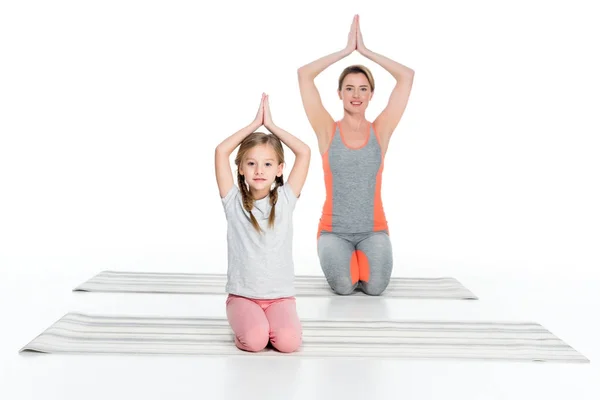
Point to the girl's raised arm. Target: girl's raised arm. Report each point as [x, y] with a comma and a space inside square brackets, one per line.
[226, 147]
[299, 148]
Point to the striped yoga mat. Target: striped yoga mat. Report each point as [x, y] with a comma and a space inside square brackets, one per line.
[306, 285]
[505, 341]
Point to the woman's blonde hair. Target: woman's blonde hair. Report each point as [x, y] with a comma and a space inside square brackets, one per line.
[252, 140]
[357, 69]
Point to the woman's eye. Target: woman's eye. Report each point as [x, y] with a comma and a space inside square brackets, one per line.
[269, 164]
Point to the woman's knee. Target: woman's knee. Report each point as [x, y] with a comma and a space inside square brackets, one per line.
[375, 286]
[377, 263]
[342, 285]
[336, 256]
[338, 276]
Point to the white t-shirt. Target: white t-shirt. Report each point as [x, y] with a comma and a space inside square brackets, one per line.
[260, 265]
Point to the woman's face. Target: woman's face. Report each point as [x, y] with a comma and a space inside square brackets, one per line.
[356, 92]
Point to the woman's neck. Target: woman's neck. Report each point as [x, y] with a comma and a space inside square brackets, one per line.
[355, 121]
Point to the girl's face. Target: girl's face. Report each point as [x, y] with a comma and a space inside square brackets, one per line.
[260, 167]
[356, 92]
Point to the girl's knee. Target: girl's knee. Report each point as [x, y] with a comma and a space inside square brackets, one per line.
[287, 340]
[253, 340]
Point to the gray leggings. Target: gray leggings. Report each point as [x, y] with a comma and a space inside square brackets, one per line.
[356, 260]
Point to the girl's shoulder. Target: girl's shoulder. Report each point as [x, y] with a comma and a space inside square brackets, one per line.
[230, 198]
[287, 194]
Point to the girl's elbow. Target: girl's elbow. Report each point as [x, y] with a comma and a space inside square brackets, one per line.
[302, 152]
[220, 151]
[305, 151]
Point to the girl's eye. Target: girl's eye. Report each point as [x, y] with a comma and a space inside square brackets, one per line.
[250, 163]
[268, 164]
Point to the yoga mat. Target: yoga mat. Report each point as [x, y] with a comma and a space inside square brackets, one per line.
[455, 340]
[306, 285]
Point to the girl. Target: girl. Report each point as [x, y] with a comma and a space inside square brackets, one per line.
[353, 238]
[260, 279]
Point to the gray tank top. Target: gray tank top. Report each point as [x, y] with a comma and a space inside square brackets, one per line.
[353, 186]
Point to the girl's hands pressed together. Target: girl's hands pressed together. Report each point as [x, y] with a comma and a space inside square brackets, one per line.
[267, 119]
[259, 119]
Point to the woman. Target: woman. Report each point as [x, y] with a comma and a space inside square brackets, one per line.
[353, 238]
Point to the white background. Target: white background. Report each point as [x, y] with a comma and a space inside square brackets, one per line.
[110, 112]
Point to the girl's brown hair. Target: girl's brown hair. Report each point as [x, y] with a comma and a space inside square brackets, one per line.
[252, 140]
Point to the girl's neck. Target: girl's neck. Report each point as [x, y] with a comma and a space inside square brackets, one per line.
[259, 195]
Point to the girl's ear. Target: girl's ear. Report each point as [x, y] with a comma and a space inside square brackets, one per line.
[280, 169]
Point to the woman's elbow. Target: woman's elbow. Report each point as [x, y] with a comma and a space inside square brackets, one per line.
[304, 74]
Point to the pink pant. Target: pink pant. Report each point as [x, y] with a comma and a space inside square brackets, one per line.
[255, 322]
